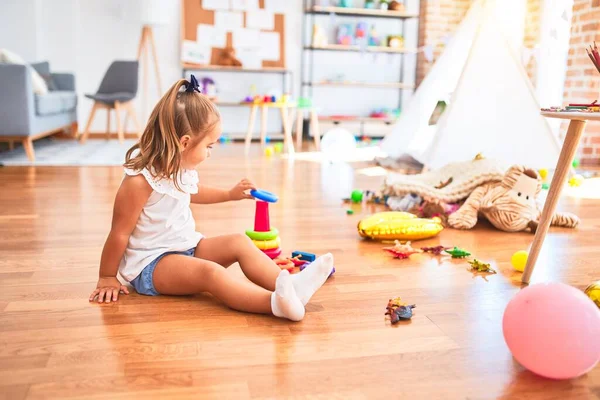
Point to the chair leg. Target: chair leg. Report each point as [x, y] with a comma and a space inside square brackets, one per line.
[86, 132]
[108, 110]
[74, 129]
[299, 128]
[314, 121]
[120, 133]
[131, 112]
[28, 146]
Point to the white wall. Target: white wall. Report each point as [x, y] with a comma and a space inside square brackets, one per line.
[85, 36]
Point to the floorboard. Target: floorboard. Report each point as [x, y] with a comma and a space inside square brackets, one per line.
[54, 344]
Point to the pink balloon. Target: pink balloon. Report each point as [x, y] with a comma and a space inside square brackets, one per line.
[553, 330]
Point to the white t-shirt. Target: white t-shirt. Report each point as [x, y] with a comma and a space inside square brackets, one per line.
[165, 223]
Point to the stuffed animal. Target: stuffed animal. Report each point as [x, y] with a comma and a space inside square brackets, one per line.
[505, 195]
[227, 58]
[510, 205]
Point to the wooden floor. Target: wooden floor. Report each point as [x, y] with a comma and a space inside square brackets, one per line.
[54, 344]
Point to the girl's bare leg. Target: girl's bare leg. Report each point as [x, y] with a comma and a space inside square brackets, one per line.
[229, 249]
[181, 275]
[259, 268]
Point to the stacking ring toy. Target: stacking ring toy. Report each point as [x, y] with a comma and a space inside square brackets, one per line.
[273, 253]
[267, 244]
[270, 235]
[264, 195]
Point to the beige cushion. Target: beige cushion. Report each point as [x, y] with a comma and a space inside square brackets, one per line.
[39, 84]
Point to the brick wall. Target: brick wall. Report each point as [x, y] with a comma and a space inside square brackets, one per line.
[582, 83]
[531, 35]
[438, 18]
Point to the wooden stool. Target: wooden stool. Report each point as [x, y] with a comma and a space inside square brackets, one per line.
[314, 126]
[288, 142]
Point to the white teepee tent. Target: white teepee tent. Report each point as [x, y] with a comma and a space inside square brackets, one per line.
[492, 109]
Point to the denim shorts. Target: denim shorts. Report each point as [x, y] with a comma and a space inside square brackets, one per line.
[144, 284]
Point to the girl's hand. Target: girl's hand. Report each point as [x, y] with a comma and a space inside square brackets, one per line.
[108, 288]
[239, 191]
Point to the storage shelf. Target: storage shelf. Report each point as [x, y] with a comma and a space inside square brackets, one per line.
[378, 85]
[326, 118]
[369, 49]
[266, 70]
[361, 12]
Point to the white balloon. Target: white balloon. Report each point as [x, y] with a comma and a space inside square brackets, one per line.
[338, 143]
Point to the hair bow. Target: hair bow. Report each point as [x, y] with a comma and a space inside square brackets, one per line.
[192, 85]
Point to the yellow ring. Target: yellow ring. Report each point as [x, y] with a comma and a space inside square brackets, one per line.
[267, 244]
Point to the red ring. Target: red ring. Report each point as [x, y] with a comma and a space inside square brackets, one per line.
[273, 253]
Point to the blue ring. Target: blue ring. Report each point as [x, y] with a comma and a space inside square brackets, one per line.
[264, 195]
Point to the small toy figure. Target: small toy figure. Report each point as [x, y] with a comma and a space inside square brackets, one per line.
[319, 38]
[344, 34]
[480, 266]
[458, 253]
[402, 251]
[369, 3]
[361, 30]
[395, 41]
[436, 250]
[576, 180]
[397, 310]
[209, 87]
[374, 39]
[396, 6]
[227, 58]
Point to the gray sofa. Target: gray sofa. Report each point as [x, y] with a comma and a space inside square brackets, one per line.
[25, 116]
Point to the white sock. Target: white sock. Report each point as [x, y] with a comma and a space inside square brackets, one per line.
[284, 301]
[311, 278]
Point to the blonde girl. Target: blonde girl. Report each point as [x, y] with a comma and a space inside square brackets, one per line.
[153, 243]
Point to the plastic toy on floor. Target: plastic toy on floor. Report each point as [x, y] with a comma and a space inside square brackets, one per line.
[263, 236]
[479, 266]
[458, 253]
[435, 250]
[305, 259]
[402, 251]
[397, 225]
[398, 310]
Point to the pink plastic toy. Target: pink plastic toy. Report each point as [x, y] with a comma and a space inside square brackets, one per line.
[553, 330]
[261, 217]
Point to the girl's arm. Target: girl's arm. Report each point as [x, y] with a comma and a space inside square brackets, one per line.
[212, 195]
[130, 200]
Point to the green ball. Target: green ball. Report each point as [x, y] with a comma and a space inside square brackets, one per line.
[545, 186]
[356, 196]
[349, 212]
[278, 147]
[576, 163]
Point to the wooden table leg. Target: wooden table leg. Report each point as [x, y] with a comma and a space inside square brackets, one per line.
[314, 125]
[287, 131]
[250, 127]
[558, 181]
[299, 128]
[264, 113]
